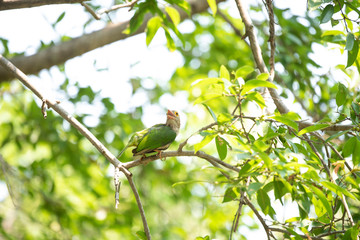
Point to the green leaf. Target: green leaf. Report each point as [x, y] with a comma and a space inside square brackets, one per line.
[356, 153]
[265, 157]
[350, 39]
[207, 237]
[352, 55]
[174, 15]
[341, 95]
[262, 76]
[256, 97]
[141, 235]
[169, 41]
[314, 4]
[352, 233]
[264, 202]
[221, 147]
[336, 135]
[349, 147]
[59, 18]
[152, 27]
[224, 118]
[206, 81]
[332, 33]
[224, 73]
[285, 120]
[322, 198]
[337, 189]
[327, 13]
[279, 189]
[204, 142]
[313, 128]
[230, 194]
[210, 111]
[251, 84]
[137, 20]
[244, 71]
[213, 6]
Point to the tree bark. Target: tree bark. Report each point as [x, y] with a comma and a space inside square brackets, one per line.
[60, 53]
[16, 4]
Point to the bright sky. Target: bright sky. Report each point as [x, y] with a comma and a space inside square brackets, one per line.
[121, 59]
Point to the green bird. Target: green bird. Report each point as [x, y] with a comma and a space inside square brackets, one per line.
[156, 138]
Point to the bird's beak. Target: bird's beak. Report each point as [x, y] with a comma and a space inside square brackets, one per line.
[170, 114]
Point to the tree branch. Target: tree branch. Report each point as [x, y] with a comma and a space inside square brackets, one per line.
[256, 51]
[64, 51]
[83, 130]
[199, 154]
[16, 4]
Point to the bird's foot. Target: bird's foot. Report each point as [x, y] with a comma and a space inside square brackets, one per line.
[159, 155]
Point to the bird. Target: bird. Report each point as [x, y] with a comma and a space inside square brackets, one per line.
[156, 138]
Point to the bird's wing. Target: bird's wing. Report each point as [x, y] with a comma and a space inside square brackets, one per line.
[157, 136]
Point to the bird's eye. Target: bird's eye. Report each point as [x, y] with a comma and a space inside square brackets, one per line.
[176, 113]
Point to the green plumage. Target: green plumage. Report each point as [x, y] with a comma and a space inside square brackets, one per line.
[156, 138]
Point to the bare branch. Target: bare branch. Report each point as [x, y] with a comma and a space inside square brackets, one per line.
[141, 209]
[199, 154]
[91, 11]
[261, 219]
[16, 4]
[270, 9]
[256, 51]
[115, 7]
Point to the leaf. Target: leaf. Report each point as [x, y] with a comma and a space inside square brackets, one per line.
[210, 111]
[350, 39]
[341, 95]
[349, 147]
[322, 198]
[137, 20]
[264, 202]
[169, 41]
[213, 6]
[207, 237]
[230, 194]
[352, 55]
[256, 97]
[206, 81]
[203, 143]
[336, 135]
[152, 27]
[141, 235]
[224, 73]
[221, 147]
[313, 128]
[59, 18]
[356, 153]
[279, 189]
[251, 84]
[243, 71]
[174, 15]
[332, 33]
[337, 189]
[262, 76]
[265, 157]
[288, 122]
[327, 13]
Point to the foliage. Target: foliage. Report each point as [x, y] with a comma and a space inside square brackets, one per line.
[62, 187]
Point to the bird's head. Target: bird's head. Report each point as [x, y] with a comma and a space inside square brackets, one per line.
[173, 120]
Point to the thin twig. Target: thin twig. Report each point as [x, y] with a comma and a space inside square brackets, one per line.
[261, 219]
[91, 11]
[141, 209]
[115, 7]
[270, 9]
[343, 200]
[181, 145]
